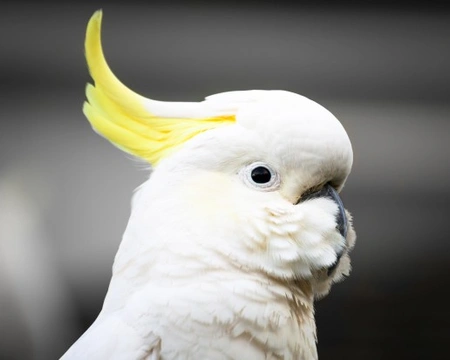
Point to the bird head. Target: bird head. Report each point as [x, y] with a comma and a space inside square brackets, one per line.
[231, 158]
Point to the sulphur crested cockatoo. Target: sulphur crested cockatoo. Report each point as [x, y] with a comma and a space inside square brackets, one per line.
[237, 231]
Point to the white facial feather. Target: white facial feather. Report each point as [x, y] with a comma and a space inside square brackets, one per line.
[220, 269]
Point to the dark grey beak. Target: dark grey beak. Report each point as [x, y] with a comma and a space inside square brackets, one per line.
[341, 217]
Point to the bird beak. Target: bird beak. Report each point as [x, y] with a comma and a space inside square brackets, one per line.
[341, 217]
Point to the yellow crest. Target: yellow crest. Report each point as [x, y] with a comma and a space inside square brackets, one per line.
[143, 127]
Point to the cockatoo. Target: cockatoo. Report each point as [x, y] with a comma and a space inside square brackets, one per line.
[236, 232]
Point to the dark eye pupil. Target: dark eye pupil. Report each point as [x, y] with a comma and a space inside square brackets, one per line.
[261, 175]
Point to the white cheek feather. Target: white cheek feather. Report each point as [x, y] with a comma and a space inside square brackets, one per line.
[188, 283]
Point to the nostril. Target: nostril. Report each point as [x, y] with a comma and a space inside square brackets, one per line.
[314, 194]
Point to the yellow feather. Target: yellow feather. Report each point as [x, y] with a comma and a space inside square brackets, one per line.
[106, 108]
[120, 115]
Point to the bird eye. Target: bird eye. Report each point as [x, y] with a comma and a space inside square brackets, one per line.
[261, 176]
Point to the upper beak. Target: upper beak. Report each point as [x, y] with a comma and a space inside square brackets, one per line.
[341, 217]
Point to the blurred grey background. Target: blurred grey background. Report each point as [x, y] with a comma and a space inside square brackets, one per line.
[65, 192]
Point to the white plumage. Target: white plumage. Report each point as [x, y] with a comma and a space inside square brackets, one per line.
[216, 265]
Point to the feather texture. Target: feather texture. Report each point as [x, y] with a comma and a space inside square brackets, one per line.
[142, 127]
[215, 264]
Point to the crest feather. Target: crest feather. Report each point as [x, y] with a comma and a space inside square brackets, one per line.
[143, 127]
